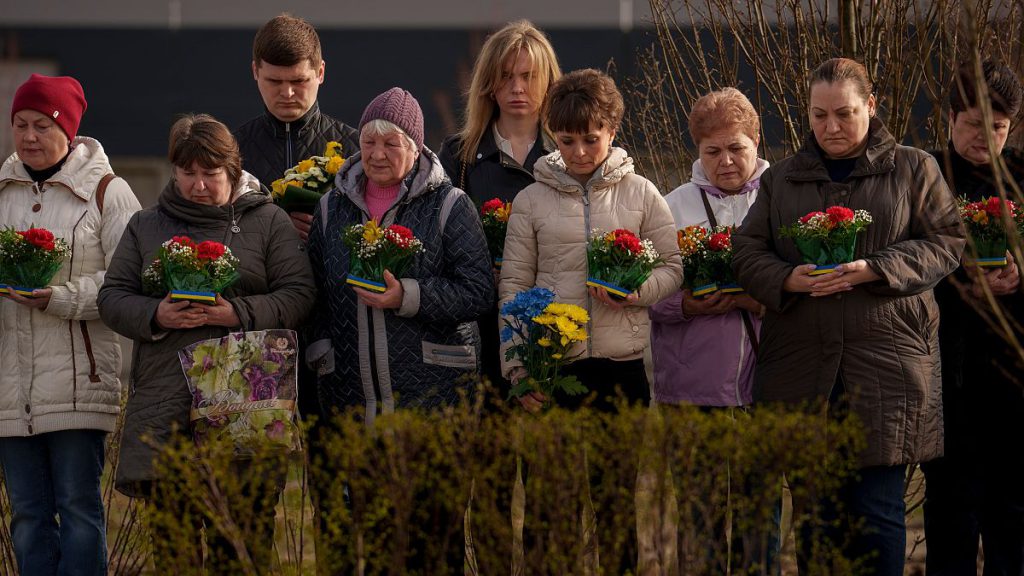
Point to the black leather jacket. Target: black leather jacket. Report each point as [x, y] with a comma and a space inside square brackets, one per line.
[494, 174]
[269, 146]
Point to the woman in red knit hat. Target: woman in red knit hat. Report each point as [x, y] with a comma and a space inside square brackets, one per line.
[59, 387]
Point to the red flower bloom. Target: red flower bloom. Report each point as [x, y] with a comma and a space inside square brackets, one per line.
[994, 206]
[720, 241]
[39, 237]
[209, 250]
[184, 241]
[401, 231]
[626, 240]
[840, 214]
[491, 205]
[810, 215]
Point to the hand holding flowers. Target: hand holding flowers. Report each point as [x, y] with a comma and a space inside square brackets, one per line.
[988, 222]
[191, 271]
[494, 216]
[541, 333]
[827, 239]
[28, 261]
[303, 184]
[375, 251]
[619, 262]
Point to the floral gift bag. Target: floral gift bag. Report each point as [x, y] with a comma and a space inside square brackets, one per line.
[244, 387]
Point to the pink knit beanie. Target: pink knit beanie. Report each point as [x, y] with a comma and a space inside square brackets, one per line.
[401, 109]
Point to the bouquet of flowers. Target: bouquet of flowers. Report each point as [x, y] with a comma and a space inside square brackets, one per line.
[302, 185]
[375, 249]
[707, 259]
[29, 259]
[827, 239]
[986, 223]
[190, 271]
[619, 261]
[494, 215]
[244, 387]
[542, 332]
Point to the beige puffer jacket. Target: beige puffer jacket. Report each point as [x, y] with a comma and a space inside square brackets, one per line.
[546, 246]
[60, 365]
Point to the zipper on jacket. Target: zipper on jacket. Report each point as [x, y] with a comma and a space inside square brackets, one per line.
[513, 165]
[288, 146]
[74, 367]
[586, 239]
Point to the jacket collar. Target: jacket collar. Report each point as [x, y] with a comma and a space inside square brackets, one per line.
[542, 147]
[86, 165]
[248, 194]
[878, 157]
[551, 171]
[428, 175]
[278, 127]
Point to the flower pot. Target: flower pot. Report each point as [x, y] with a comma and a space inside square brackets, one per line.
[991, 252]
[198, 297]
[19, 290]
[827, 254]
[616, 291]
[365, 283]
[298, 199]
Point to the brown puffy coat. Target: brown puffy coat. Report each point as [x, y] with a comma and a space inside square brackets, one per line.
[546, 246]
[881, 338]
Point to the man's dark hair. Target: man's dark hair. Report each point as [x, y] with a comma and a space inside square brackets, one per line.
[1004, 89]
[286, 41]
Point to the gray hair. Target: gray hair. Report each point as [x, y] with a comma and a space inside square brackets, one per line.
[381, 127]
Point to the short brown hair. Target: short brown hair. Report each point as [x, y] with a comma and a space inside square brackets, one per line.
[204, 140]
[286, 41]
[1003, 87]
[583, 99]
[839, 69]
[725, 108]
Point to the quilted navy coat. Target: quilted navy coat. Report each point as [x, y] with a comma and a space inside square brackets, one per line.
[422, 354]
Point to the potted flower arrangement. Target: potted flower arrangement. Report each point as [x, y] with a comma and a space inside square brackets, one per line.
[542, 332]
[986, 222]
[375, 249]
[244, 387]
[494, 216]
[827, 239]
[302, 185]
[29, 259]
[707, 260]
[619, 261]
[190, 271]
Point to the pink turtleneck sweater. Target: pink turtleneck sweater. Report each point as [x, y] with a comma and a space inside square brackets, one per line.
[380, 198]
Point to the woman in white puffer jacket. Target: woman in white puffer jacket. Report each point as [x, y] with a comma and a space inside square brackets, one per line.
[59, 387]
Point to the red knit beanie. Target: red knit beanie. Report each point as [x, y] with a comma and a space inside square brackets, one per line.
[401, 109]
[59, 97]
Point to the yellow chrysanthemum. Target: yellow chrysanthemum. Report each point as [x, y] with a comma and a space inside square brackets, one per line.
[305, 165]
[332, 150]
[545, 319]
[544, 342]
[371, 232]
[981, 217]
[565, 326]
[334, 164]
[278, 187]
[556, 356]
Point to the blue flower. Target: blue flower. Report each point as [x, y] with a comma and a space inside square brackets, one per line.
[507, 333]
[528, 303]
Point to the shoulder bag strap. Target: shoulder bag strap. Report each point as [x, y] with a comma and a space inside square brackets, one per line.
[748, 322]
[101, 190]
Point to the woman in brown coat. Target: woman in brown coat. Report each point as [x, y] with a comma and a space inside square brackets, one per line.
[861, 340]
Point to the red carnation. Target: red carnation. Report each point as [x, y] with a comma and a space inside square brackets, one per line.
[39, 237]
[810, 215]
[209, 250]
[184, 241]
[491, 205]
[994, 206]
[720, 241]
[840, 214]
[629, 243]
[402, 231]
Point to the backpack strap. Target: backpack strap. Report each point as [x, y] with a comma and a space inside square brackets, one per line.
[448, 204]
[324, 208]
[101, 190]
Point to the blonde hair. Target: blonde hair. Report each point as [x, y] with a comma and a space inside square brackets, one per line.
[725, 108]
[502, 46]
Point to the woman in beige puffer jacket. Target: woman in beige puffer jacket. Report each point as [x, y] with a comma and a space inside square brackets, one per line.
[587, 185]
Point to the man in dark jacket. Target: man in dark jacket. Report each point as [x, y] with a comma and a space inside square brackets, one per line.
[289, 69]
[976, 489]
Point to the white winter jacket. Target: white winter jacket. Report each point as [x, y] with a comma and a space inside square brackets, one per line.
[59, 366]
[546, 246]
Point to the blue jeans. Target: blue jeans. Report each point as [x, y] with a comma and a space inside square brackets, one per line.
[865, 521]
[53, 475]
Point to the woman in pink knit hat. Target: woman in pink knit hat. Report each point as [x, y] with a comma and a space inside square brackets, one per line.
[59, 387]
